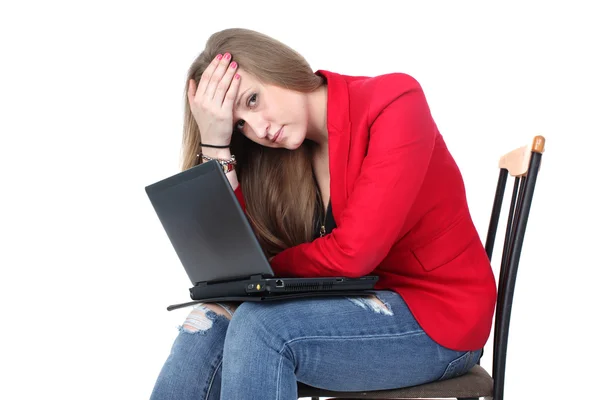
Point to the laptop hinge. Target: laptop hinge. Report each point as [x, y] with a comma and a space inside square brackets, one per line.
[256, 277]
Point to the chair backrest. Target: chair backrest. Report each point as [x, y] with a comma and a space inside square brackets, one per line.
[523, 165]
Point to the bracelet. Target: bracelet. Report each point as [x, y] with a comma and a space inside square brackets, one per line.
[220, 160]
[214, 146]
[226, 165]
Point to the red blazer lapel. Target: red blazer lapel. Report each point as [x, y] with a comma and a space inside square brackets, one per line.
[339, 128]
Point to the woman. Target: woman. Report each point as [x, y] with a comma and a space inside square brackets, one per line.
[339, 176]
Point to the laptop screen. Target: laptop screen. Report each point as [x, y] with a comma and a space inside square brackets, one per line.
[206, 225]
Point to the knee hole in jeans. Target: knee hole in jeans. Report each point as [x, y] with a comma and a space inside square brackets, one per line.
[372, 303]
[202, 316]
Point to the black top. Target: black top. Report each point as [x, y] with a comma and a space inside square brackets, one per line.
[329, 222]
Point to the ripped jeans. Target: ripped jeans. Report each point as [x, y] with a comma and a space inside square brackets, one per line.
[337, 343]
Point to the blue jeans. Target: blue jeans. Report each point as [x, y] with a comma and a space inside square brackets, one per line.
[336, 343]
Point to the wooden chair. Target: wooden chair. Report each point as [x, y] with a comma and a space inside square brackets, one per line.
[523, 165]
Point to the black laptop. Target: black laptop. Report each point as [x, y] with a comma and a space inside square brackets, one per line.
[218, 249]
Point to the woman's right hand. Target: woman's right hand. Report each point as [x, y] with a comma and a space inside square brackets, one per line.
[211, 101]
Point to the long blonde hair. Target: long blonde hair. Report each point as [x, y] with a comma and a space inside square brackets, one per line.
[279, 186]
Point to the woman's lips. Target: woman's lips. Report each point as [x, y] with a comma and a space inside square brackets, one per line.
[278, 135]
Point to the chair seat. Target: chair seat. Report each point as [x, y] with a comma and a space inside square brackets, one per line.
[475, 383]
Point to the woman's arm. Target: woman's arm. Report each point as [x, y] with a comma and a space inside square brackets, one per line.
[402, 138]
[223, 154]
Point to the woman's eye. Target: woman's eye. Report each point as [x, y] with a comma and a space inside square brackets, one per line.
[252, 100]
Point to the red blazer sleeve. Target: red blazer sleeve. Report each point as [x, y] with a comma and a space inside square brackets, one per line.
[240, 196]
[402, 137]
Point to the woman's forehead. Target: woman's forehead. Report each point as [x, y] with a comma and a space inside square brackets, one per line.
[247, 79]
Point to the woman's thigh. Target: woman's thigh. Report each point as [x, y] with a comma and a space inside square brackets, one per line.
[351, 343]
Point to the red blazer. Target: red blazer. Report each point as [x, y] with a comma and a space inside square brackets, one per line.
[401, 212]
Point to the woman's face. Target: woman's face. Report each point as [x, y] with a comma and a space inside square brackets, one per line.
[270, 115]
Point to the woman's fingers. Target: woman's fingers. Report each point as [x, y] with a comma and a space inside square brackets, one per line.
[217, 88]
[232, 92]
[216, 77]
[207, 75]
[224, 84]
[212, 98]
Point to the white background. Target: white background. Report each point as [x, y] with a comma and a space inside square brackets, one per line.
[91, 97]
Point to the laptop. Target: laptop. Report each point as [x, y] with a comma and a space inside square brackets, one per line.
[218, 249]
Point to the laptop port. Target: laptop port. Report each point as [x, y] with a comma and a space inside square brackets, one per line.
[279, 283]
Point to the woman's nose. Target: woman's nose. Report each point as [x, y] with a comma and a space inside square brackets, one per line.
[260, 127]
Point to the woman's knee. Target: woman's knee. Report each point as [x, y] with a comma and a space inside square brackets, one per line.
[248, 332]
[260, 323]
[203, 315]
